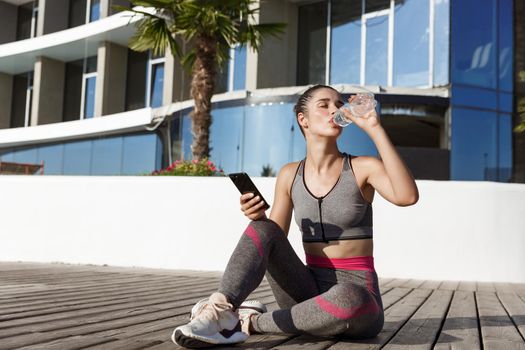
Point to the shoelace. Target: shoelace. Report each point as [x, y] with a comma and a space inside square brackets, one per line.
[210, 311]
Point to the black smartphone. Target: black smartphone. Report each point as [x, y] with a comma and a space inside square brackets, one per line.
[245, 185]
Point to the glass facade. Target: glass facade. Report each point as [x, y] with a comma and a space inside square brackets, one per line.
[231, 75]
[385, 42]
[157, 85]
[481, 98]
[134, 154]
[248, 137]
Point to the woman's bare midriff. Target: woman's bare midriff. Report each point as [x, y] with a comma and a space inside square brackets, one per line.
[341, 249]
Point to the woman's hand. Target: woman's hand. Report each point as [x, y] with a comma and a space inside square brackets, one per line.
[368, 122]
[253, 208]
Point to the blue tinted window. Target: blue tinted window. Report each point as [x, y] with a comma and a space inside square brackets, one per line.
[89, 102]
[187, 137]
[26, 155]
[505, 147]
[226, 138]
[474, 145]
[139, 154]
[411, 29]
[157, 84]
[94, 13]
[474, 42]
[505, 102]
[471, 96]
[268, 137]
[298, 150]
[7, 155]
[77, 158]
[506, 38]
[107, 156]
[239, 70]
[53, 157]
[345, 42]
[376, 51]
[441, 41]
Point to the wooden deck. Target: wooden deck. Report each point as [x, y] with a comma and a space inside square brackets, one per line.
[54, 306]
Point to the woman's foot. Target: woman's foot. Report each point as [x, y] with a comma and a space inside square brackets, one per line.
[247, 311]
[212, 322]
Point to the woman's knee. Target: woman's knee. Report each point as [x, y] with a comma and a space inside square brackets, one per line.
[265, 229]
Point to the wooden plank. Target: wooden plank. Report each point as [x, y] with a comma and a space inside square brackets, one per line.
[395, 317]
[485, 287]
[460, 330]
[176, 312]
[413, 283]
[397, 282]
[102, 295]
[421, 330]
[503, 287]
[497, 329]
[430, 284]
[515, 307]
[393, 296]
[449, 285]
[467, 286]
[306, 341]
[383, 281]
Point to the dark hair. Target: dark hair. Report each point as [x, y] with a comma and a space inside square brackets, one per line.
[300, 106]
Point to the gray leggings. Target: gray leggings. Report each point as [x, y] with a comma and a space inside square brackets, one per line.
[315, 301]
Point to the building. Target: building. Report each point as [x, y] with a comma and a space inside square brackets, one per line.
[72, 95]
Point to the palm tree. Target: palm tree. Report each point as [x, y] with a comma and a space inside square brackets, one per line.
[521, 108]
[212, 27]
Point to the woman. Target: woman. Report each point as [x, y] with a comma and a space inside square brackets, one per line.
[331, 193]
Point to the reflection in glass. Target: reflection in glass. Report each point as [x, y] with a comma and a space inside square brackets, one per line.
[77, 158]
[53, 157]
[89, 97]
[473, 157]
[107, 156]
[376, 51]
[157, 84]
[268, 133]
[505, 148]
[311, 54]
[239, 70]
[139, 154]
[345, 42]
[506, 38]
[441, 41]
[226, 137]
[94, 11]
[411, 28]
[474, 45]
[26, 155]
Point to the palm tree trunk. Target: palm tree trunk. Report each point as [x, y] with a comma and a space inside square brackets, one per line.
[202, 86]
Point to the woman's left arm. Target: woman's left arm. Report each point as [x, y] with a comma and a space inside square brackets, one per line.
[389, 176]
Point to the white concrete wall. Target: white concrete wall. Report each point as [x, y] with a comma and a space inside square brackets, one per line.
[457, 231]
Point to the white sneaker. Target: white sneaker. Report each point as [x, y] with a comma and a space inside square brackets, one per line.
[246, 310]
[212, 322]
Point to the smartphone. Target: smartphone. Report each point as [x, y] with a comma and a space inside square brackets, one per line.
[245, 185]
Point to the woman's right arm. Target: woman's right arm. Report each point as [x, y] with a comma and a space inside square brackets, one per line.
[282, 202]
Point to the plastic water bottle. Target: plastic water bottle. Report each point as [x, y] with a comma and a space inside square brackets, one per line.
[361, 105]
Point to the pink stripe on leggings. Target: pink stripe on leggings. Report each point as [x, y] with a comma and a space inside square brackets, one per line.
[250, 232]
[346, 313]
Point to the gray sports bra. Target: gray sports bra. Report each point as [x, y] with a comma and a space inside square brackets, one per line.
[341, 214]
